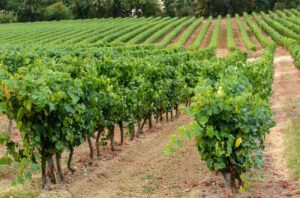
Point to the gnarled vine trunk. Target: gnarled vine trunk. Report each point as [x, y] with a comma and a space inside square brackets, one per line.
[50, 170]
[167, 116]
[131, 130]
[150, 121]
[43, 168]
[161, 118]
[91, 156]
[47, 166]
[70, 160]
[233, 182]
[177, 111]
[121, 132]
[111, 130]
[139, 128]
[58, 165]
[9, 125]
[156, 117]
[100, 131]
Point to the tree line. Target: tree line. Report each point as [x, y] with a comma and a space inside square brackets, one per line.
[38, 10]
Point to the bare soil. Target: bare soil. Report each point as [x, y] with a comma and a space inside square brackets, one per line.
[206, 40]
[222, 43]
[222, 50]
[140, 169]
[286, 107]
[237, 35]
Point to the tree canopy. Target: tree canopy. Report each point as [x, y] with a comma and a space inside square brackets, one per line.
[36, 10]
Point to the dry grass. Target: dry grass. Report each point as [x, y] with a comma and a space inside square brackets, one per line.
[19, 192]
[292, 149]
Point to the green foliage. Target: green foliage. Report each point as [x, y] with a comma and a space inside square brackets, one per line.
[121, 32]
[146, 34]
[19, 156]
[178, 8]
[140, 30]
[7, 17]
[215, 35]
[279, 27]
[230, 40]
[221, 7]
[257, 32]
[59, 96]
[4, 137]
[260, 72]
[175, 32]
[231, 123]
[290, 19]
[189, 31]
[153, 38]
[249, 44]
[292, 12]
[295, 51]
[281, 4]
[274, 34]
[201, 35]
[232, 114]
[57, 11]
[281, 13]
[28, 10]
[110, 27]
[285, 22]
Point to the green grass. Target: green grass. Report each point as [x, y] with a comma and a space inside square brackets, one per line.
[292, 149]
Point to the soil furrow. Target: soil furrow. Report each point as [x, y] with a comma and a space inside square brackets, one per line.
[237, 35]
[222, 49]
[206, 40]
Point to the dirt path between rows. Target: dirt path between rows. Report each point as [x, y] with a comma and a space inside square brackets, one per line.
[237, 35]
[206, 40]
[286, 99]
[142, 170]
[222, 50]
[286, 81]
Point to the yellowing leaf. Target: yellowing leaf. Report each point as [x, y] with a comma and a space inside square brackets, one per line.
[238, 142]
[220, 92]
